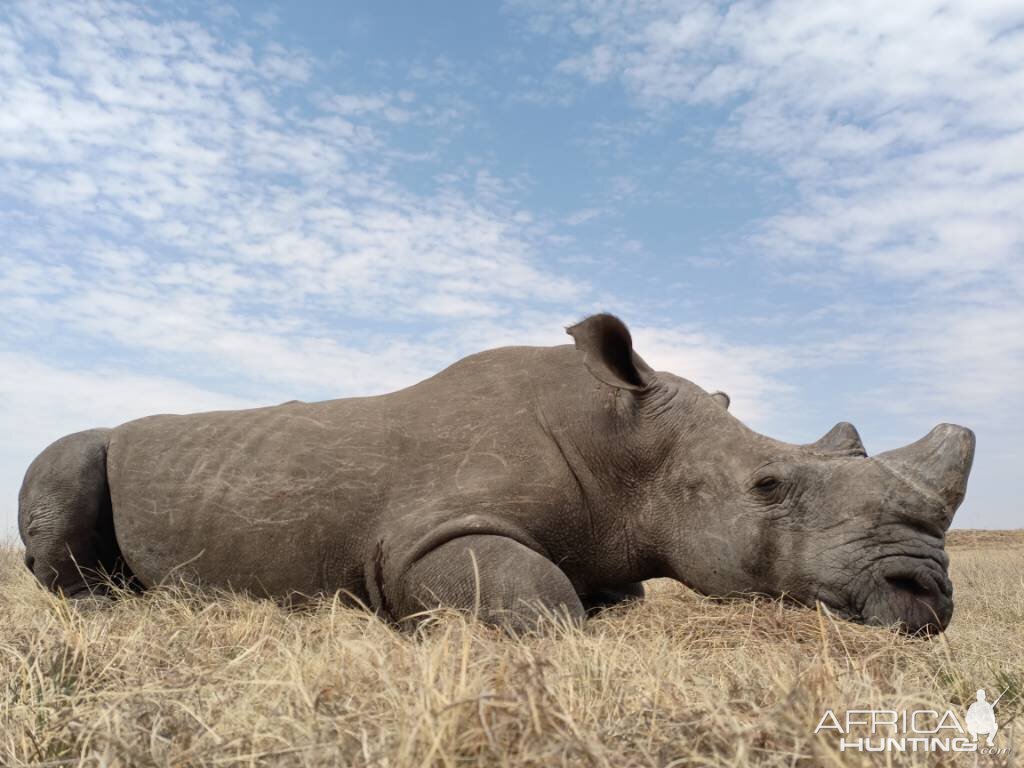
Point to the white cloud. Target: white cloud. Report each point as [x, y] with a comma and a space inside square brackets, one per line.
[392, 107]
[583, 216]
[279, 63]
[748, 373]
[268, 18]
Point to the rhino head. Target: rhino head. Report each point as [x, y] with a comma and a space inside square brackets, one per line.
[735, 512]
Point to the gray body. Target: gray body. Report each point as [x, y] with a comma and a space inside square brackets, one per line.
[518, 480]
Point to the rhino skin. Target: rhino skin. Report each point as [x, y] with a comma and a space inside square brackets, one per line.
[518, 482]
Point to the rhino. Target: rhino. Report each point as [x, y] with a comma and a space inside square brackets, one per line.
[519, 482]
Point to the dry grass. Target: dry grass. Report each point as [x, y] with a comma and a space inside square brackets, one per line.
[179, 679]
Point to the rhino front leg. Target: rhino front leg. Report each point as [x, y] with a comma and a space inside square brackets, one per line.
[504, 582]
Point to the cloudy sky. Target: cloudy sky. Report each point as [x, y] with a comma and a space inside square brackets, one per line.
[815, 207]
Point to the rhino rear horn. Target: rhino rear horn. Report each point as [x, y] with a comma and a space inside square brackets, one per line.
[843, 438]
[607, 349]
[939, 463]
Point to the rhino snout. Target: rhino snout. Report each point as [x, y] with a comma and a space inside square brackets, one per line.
[914, 593]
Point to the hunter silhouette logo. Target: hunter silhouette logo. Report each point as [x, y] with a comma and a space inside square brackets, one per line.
[981, 718]
[919, 730]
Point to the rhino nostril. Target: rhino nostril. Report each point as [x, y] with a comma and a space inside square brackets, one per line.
[911, 585]
[922, 584]
[919, 585]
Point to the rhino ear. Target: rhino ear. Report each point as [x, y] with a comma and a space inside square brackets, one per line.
[722, 399]
[608, 352]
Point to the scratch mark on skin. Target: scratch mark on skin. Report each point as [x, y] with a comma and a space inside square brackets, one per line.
[545, 425]
[268, 521]
[471, 452]
[375, 582]
[309, 419]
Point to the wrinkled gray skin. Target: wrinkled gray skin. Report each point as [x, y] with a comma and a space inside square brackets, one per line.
[519, 480]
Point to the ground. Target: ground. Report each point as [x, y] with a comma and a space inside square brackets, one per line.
[184, 679]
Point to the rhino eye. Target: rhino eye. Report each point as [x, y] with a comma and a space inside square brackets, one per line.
[768, 486]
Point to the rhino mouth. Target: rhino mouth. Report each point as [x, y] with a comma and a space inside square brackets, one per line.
[839, 608]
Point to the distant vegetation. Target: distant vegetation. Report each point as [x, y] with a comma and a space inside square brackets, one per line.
[177, 678]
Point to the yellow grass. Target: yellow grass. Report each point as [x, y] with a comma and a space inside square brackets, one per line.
[184, 679]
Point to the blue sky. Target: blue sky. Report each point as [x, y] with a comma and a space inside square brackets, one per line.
[814, 207]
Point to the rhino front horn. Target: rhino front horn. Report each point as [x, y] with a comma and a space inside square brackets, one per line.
[938, 463]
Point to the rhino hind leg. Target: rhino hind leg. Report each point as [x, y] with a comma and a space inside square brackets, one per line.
[503, 582]
[65, 519]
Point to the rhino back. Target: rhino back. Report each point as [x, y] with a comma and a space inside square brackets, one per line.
[292, 498]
